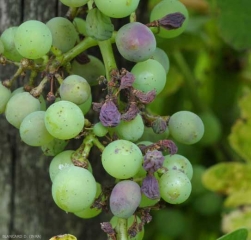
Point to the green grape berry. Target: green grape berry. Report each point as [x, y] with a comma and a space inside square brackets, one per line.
[90, 212]
[74, 3]
[5, 95]
[179, 163]
[61, 161]
[149, 75]
[8, 40]
[74, 189]
[122, 159]
[117, 8]
[186, 127]
[75, 89]
[175, 187]
[64, 34]
[33, 39]
[131, 130]
[33, 131]
[64, 120]
[100, 130]
[19, 106]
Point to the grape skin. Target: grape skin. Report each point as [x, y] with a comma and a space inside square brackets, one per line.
[64, 34]
[179, 163]
[125, 198]
[166, 7]
[75, 89]
[64, 120]
[19, 106]
[161, 56]
[100, 130]
[74, 189]
[61, 161]
[149, 75]
[74, 3]
[119, 9]
[186, 127]
[175, 187]
[122, 159]
[135, 42]
[131, 130]
[5, 95]
[90, 212]
[33, 131]
[33, 39]
[54, 147]
[8, 40]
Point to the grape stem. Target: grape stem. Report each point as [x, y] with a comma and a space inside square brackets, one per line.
[108, 57]
[121, 229]
[189, 80]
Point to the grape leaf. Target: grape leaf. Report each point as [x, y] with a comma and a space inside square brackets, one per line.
[237, 219]
[234, 19]
[228, 178]
[239, 198]
[241, 233]
[239, 138]
[98, 25]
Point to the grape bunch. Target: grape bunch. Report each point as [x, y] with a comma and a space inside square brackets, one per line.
[52, 107]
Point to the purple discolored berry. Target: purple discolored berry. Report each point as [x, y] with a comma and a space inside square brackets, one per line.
[153, 160]
[150, 187]
[109, 114]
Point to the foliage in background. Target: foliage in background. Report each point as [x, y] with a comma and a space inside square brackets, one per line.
[210, 75]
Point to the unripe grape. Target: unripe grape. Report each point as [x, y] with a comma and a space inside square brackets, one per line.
[186, 127]
[5, 95]
[115, 8]
[75, 89]
[122, 159]
[19, 106]
[90, 212]
[149, 75]
[74, 3]
[179, 163]
[64, 34]
[64, 120]
[175, 187]
[131, 130]
[33, 131]
[74, 189]
[8, 40]
[33, 39]
[61, 161]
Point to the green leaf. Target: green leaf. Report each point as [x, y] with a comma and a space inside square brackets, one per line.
[98, 25]
[234, 19]
[238, 198]
[239, 138]
[228, 178]
[240, 234]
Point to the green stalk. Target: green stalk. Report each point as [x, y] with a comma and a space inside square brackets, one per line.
[82, 46]
[108, 57]
[121, 229]
[189, 80]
